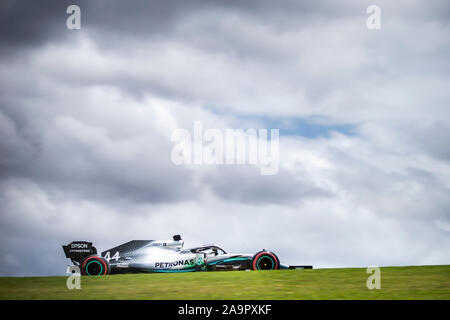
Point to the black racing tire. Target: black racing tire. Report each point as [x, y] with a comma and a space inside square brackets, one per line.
[265, 260]
[94, 265]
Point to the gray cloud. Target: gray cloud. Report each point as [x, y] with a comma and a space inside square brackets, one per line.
[244, 184]
[72, 154]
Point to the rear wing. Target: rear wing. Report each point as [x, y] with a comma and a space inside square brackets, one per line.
[78, 250]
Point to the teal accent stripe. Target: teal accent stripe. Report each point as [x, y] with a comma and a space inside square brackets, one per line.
[171, 271]
[229, 259]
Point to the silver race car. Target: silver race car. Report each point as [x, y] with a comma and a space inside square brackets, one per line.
[166, 256]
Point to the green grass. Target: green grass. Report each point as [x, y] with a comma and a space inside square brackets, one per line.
[421, 282]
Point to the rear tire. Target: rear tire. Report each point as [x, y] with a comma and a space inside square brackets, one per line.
[94, 265]
[265, 260]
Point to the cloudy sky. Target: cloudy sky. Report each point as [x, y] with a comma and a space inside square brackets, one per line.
[86, 118]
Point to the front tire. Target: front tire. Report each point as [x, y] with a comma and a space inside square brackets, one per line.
[265, 260]
[95, 266]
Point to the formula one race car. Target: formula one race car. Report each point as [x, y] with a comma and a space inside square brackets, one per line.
[166, 256]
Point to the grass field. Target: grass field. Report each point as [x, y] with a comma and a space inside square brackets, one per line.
[421, 282]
